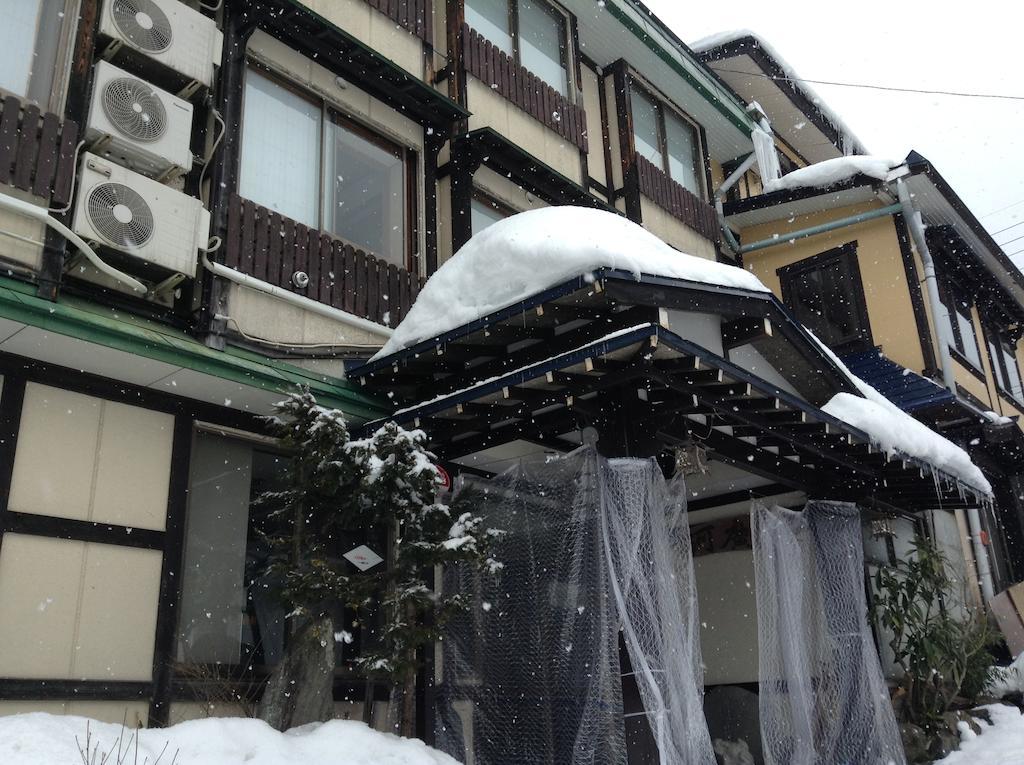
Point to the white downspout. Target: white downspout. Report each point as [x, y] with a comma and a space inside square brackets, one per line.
[42, 215]
[980, 554]
[305, 303]
[942, 325]
[939, 310]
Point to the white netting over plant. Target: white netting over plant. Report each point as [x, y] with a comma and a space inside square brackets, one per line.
[823, 697]
[532, 674]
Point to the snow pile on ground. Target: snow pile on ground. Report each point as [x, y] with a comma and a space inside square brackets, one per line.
[1007, 679]
[896, 431]
[43, 739]
[832, 171]
[529, 252]
[1001, 743]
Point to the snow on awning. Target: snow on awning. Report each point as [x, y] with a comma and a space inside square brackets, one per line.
[833, 171]
[529, 252]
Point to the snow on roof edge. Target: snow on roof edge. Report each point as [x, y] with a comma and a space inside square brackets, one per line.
[719, 39]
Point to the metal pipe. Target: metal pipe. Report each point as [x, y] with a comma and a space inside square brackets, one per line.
[823, 228]
[40, 214]
[728, 183]
[980, 554]
[940, 313]
[305, 303]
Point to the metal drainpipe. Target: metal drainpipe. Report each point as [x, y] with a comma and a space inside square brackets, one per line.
[980, 554]
[727, 184]
[941, 313]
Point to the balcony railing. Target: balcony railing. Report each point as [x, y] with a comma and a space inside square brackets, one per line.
[413, 15]
[270, 247]
[527, 91]
[680, 202]
[37, 151]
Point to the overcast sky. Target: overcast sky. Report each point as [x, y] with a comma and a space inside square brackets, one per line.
[977, 144]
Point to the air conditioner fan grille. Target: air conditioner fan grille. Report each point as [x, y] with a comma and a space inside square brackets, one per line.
[143, 24]
[134, 108]
[120, 215]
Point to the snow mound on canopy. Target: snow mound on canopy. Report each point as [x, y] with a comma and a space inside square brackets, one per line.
[44, 739]
[832, 171]
[529, 252]
[896, 431]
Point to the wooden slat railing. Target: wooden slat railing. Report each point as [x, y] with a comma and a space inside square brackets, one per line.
[37, 151]
[268, 246]
[415, 16]
[683, 204]
[527, 91]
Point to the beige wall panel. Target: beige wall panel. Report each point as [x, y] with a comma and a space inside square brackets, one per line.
[505, 191]
[117, 620]
[27, 707]
[114, 459]
[886, 291]
[55, 460]
[728, 616]
[134, 713]
[77, 610]
[444, 217]
[966, 379]
[39, 605]
[663, 225]
[717, 175]
[613, 133]
[134, 466]
[269, 318]
[595, 135]
[17, 251]
[183, 711]
[491, 110]
[375, 29]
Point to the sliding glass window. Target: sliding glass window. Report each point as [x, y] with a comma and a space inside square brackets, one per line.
[667, 140]
[305, 161]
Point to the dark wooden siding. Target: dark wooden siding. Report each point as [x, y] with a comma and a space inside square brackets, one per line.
[37, 151]
[268, 246]
[680, 202]
[413, 15]
[527, 91]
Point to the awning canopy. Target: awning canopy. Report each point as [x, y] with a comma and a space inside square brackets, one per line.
[608, 351]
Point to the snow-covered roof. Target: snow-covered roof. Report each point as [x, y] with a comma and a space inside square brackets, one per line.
[706, 47]
[833, 171]
[896, 431]
[529, 252]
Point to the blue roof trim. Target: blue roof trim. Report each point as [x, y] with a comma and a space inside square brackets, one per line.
[906, 389]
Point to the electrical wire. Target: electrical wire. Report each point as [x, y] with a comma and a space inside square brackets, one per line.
[1002, 209]
[209, 156]
[894, 89]
[996, 233]
[74, 176]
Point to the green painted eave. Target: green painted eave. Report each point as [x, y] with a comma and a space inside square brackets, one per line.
[116, 329]
[689, 69]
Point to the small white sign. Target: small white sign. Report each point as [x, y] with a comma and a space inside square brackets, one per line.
[363, 558]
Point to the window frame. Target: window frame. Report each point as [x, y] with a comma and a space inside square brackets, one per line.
[846, 256]
[950, 297]
[636, 85]
[567, 51]
[1000, 373]
[333, 114]
[64, 49]
[484, 197]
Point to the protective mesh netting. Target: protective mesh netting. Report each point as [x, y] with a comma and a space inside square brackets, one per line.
[822, 695]
[531, 675]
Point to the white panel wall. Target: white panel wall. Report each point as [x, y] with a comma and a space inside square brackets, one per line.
[728, 616]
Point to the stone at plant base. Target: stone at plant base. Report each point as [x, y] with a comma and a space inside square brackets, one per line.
[915, 743]
[301, 688]
[942, 743]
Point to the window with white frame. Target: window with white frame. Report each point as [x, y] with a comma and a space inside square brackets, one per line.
[667, 140]
[310, 163]
[1002, 353]
[485, 212]
[532, 32]
[30, 42]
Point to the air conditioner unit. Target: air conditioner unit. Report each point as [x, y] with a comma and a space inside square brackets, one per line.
[138, 125]
[166, 31]
[139, 217]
